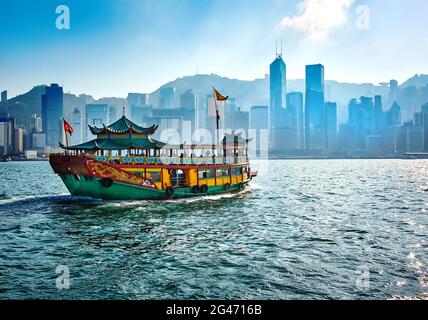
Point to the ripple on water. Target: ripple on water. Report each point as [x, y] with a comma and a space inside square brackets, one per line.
[304, 229]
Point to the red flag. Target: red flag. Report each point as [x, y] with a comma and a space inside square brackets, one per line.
[68, 128]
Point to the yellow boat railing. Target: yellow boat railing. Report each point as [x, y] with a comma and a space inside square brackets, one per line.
[168, 160]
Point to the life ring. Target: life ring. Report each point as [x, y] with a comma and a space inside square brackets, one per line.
[227, 186]
[196, 189]
[204, 188]
[106, 182]
[169, 191]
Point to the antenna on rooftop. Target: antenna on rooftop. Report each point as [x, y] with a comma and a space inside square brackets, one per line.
[123, 111]
[276, 47]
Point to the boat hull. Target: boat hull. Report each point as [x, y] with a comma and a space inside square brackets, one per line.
[94, 188]
[88, 177]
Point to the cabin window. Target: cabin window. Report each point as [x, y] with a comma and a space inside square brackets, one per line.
[222, 172]
[206, 174]
[155, 176]
[236, 171]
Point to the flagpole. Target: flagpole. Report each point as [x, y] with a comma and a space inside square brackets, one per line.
[217, 118]
[65, 132]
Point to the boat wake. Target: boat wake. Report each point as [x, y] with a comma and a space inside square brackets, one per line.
[60, 198]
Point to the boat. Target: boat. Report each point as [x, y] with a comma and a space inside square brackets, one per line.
[125, 162]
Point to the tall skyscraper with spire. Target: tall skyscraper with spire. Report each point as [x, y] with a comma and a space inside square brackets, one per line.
[278, 98]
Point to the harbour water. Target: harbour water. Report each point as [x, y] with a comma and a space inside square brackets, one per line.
[326, 229]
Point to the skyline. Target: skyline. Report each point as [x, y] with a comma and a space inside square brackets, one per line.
[131, 42]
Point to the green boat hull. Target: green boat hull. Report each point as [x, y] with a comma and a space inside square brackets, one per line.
[121, 191]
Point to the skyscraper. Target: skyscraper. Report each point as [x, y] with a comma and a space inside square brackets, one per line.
[167, 98]
[96, 115]
[4, 96]
[424, 123]
[18, 141]
[7, 130]
[137, 99]
[393, 90]
[331, 126]
[138, 108]
[259, 125]
[189, 106]
[378, 116]
[278, 96]
[393, 117]
[52, 113]
[295, 117]
[188, 100]
[77, 136]
[315, 108]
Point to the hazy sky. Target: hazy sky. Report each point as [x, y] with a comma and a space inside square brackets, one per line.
[118, 46]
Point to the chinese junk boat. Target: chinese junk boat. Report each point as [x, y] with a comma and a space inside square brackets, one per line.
[125, 162]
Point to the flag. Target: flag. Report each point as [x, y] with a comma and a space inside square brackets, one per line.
[68, 128]
[219, 96]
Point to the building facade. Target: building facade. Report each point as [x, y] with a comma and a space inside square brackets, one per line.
[278, 101]
[52, 113]
[315, 108]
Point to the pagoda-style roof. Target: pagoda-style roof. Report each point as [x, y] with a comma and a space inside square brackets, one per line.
[117, 144]
[123, 126]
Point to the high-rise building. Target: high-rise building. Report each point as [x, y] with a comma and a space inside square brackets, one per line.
[259, 125]
[393, 90]
[77, 124]
[35, 123]
[411, 138]
[137, 99]
[278, 101]
[7, 134]
[138, 106]
[52, 113]
[315, 108]
[393, 116]
[38, 141]
[424, 121]
[189, 102]
[377, 116]
[96, 115]
[295, 117]
[140, 114]
[18, 141]
[332, 138]
[170, 122]
[362, 117]
[4, 96]
[347, 137]
[167, 98]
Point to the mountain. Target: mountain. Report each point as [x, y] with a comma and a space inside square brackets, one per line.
[23, 106]
[412, 94]
[247, 93]
[256, 92]
[417, 80]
